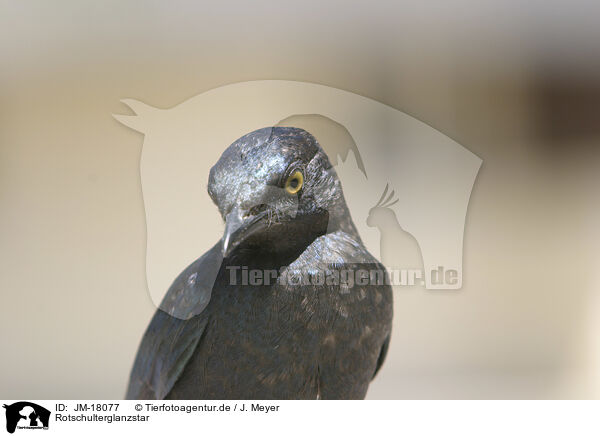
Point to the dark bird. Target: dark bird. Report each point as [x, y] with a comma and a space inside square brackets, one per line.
[315, 329]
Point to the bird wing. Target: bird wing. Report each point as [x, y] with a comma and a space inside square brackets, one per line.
[382, 354]
[175, 329]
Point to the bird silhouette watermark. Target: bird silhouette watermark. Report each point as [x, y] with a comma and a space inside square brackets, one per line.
[370, 145]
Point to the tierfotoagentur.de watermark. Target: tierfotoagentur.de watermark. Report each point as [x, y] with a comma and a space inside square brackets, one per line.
[345, 278]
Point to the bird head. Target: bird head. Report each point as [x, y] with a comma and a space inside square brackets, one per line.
[276, 191]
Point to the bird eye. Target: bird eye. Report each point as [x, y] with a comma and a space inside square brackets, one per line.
[294, 182]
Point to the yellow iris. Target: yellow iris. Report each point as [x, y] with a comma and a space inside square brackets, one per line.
[294, 182]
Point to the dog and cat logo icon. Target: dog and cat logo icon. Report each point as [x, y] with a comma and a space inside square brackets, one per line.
[26, 415]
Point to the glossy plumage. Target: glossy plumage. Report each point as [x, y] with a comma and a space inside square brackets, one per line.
[215, 338]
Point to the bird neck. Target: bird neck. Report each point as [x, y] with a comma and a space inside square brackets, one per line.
[340, 220]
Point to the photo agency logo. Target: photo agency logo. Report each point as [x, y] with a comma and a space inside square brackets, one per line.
[407, 186]
[24, 415]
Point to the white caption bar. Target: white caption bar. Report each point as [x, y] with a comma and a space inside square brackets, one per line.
[302, 417]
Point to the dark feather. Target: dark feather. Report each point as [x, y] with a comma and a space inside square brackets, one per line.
[217, 338]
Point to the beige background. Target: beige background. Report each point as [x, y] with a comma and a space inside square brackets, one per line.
[516, 85]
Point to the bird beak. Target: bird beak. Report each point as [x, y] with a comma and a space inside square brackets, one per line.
[238, 228]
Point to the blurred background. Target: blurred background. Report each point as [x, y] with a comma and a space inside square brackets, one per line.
[517, 84]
